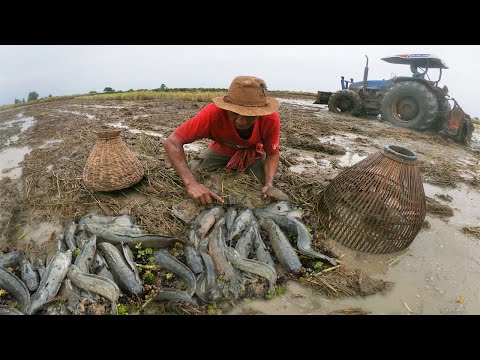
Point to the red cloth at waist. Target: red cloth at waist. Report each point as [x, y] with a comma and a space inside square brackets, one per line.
[244, 158]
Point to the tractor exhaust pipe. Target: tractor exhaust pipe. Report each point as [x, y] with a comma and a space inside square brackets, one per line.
[365, 74]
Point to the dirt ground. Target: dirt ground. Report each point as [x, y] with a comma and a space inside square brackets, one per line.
[43, 149]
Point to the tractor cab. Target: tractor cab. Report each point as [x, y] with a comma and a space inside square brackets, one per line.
[419, 65]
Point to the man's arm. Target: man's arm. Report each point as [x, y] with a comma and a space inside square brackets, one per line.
[271, 166]
[200, 193]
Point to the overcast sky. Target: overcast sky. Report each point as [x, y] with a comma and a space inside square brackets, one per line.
[75, 69]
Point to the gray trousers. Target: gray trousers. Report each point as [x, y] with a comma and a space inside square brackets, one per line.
[209, 160]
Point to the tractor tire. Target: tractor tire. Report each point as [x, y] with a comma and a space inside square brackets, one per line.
[467, 131]
[345, 101]
[410, 105]
[444, 109]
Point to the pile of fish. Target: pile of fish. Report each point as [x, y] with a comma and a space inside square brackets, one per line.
[224, 250]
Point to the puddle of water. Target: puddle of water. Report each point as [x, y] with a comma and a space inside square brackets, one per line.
[100, 106]
[465, 202]
[26, 122]
[10, 159]
[303, 103]
[89, 117]
[297, 169]
[120, 125]
[41, 233]
[11, 140]
[305, 163]
[146, 132]
[49, 168]
[50, 143]
[324, 163]
[139, 116]
[350, 159]
[440, 266]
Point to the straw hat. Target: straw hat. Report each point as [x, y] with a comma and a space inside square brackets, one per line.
[247, 95]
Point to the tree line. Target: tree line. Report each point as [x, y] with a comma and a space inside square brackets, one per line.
[32, 96]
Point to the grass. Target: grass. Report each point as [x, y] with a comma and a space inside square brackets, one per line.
[193, 95]
[39, 101]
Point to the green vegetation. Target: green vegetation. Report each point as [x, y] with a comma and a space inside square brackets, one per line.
[142, 252]
[76, 252]
[20, 103]
[176, 94]
[279, 290]
[148, 277]
[212, 309]
[123, 309]
[32, 96]
[318, 266]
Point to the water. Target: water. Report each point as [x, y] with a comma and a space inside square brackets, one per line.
[120, 125]
[10, 159]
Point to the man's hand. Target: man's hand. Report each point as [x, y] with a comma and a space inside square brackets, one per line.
[201, 194]
[265, 188]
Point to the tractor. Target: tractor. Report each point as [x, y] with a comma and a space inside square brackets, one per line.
[414, 102]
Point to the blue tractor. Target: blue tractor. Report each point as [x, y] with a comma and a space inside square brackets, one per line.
[414, 102]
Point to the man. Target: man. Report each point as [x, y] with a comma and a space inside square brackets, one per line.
[244, 128]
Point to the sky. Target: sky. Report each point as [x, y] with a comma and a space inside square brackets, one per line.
[77, 69]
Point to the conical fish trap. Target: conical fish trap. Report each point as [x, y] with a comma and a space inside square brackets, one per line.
[111, 165]
[377, 205]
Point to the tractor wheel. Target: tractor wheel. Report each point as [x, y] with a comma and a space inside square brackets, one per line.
[410, 105]
[467, 131]
[345, 101]
[444, 109]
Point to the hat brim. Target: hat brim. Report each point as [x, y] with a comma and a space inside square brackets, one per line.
[272, 106]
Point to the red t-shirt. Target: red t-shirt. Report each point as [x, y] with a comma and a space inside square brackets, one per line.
[213, 123]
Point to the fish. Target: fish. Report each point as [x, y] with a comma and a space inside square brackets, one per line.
[261, 252]
[230, 216]
[281, 246]
[193, 259]
[171, 263]
[209, 288]
[39, 266]
[245, 244]
[69, 235]
[206, 219]
[104, 234]
[11, 259]
[276, 194]
[298, 229]
[29, 275]
[6, 310]
[252, 266]
[121, 270]
[127, 253]
[240, 224]
[86, 257]
[174, 295]
[216, 249]
[55, 273]
[15, 287]
[94, 283]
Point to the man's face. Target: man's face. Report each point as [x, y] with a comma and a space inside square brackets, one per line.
[242, 122]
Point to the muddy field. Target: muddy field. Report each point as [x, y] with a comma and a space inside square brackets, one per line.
[43, 149]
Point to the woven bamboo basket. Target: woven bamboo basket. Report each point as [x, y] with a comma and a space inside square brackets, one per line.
[111, 165]
[377, 205]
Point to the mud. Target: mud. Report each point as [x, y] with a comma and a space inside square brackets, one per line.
[43, 150]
